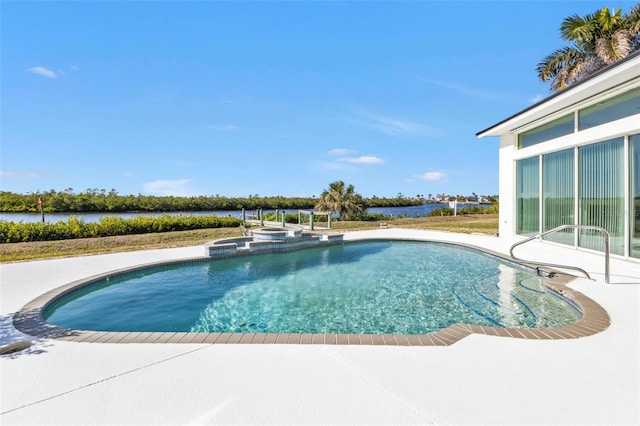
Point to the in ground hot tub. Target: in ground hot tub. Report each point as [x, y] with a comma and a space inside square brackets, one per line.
[270, 240]
[275, 234]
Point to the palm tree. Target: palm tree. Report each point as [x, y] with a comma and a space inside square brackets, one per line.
[341, 200]
[599, 39]
[633, 23]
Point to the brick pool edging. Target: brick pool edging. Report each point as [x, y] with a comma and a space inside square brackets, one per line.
[30, 319]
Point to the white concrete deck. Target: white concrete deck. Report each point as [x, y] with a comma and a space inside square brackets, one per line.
[479, 380]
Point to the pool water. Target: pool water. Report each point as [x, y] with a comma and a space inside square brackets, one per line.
[380, 287]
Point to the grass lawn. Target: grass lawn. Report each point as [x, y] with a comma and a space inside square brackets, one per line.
[480, 223]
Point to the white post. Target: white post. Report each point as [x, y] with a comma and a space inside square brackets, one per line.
[454, 205]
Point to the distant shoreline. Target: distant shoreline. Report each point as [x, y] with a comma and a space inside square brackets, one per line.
[420, 210]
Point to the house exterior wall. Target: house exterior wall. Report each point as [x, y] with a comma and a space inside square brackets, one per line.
[602, 98]
[509, 154]
[506, 185]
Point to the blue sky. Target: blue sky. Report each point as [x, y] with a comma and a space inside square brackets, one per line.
[268, 98]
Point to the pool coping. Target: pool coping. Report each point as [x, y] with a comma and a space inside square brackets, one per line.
[29, 319]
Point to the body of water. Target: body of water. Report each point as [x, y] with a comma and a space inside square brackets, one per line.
[410, 211]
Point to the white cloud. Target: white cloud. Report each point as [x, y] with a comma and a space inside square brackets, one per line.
[397, 127]
[536, 99]
[346, 162]
[74, 68]
[19, 174]
[340, 151]
[365, 159]
[466, 90]
[127, 174]
[42, 71]
[178, 188]
[432, 176]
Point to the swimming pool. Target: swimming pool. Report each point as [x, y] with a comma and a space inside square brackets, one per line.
[374, 287]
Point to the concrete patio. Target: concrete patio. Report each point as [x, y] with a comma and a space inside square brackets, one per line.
[478, 380]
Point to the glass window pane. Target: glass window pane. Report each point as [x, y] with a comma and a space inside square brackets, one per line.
[558, 190]
[602, 194]
[635, 196]
[612, 109]
[560, 127]
[527, 196]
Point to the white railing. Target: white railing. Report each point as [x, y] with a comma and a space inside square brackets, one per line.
[607, 249]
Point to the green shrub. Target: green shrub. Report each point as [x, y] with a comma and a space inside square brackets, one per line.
[494, 209]
[442, 211]
[11, 232]
[446, 211]
[372, 217]
[479, 210]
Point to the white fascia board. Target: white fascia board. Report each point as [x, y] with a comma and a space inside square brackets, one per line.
[561, 103]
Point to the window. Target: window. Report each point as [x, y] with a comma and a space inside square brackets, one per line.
[618, 107]
[528, 196]
[558, 194]
[601, 191]
[560, 127]
[621, 106]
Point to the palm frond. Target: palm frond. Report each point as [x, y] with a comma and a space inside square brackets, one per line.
[598, 39]
[614, 48]
[577, 29]
[344, 201]
[633, 20]
[607, 22]
[560, 81]
[583, 68]
[555, 62]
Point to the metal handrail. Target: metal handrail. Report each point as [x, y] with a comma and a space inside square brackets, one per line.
[607, 246]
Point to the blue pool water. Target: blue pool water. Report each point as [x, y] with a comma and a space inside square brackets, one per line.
[381, 287]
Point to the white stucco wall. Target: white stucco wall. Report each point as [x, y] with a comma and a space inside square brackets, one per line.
[506, 186]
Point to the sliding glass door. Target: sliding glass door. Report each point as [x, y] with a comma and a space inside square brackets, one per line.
[550, 182]
[528, 196]
[558, 195]
[601, 189]
[634, 243]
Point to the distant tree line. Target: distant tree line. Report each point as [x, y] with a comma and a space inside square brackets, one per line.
[100, 200]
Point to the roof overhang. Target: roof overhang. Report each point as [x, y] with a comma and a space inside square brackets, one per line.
[623, 71]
